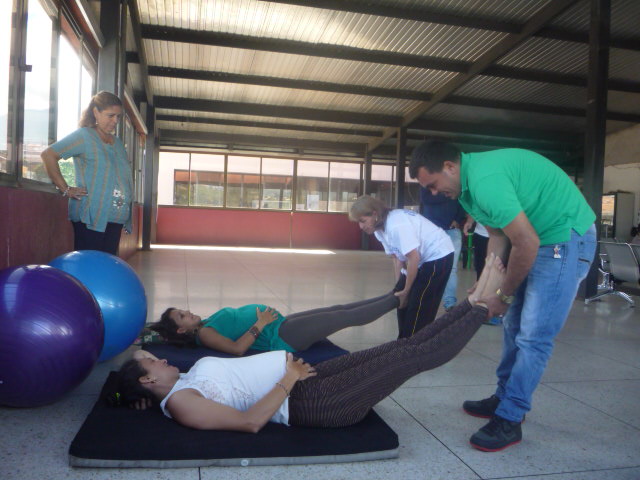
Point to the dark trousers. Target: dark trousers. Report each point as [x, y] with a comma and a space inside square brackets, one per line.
[346, 387]
[425, 296]
[480, 244]
[107, 241]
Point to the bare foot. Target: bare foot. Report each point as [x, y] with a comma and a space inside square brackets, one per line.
[494, 280]
[479, 287]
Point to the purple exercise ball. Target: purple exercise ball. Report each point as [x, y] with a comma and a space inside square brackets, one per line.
[51, 334]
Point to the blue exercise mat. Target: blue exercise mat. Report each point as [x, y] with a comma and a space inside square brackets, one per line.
[185, 357]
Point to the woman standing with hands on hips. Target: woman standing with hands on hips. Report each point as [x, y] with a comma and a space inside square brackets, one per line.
[423, 258]
[100, 202]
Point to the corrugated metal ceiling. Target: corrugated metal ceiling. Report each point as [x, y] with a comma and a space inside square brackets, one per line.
[313, 64]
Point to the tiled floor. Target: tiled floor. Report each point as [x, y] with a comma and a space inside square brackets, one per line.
[585, 424]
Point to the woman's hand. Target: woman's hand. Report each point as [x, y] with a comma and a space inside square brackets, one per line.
[76, 192]
[267, 316]
[141, 404]
[403, 297]
[299, 368]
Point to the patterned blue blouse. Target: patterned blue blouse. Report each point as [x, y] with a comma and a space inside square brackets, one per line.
[105, 172]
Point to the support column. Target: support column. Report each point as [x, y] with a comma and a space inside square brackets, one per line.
[368, 160]
[112, 57]
[401, 157]
[595, 136]
[150, 171]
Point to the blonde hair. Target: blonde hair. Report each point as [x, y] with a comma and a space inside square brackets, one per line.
[366, 206]
[101, 101]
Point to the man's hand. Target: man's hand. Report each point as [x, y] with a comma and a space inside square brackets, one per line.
[497, 308]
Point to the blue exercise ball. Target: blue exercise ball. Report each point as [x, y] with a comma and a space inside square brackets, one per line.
[51, 334]
[117, 289]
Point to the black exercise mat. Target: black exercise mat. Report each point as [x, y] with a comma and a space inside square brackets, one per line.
[127, 438]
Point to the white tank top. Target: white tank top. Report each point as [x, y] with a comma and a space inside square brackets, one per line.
[236, 382]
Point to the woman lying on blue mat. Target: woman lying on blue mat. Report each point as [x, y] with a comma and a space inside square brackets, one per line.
[244, 394]
[235, 330]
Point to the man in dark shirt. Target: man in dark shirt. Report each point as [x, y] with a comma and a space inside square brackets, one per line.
[449, 215]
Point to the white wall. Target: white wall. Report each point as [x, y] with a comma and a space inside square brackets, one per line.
[625, 178]
[622, 164]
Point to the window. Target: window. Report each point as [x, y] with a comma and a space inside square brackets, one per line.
[243, 182]
[68, 100]
[200, 179]
[277, 182]
[37, 90]
[382, 183]
[6, 13]
[139, 174]
[411, 192]
[344, 185]
[74, 94]
[130, 140]
[207, 180]
[70, 92]
[173, 178]
[312, 185]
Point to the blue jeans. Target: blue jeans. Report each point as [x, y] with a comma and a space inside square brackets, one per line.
[449, 297]
[538, 312]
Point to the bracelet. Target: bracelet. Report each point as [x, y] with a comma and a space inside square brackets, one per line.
[254, 331]
[66, 191]
[283, 387]
[508, 299]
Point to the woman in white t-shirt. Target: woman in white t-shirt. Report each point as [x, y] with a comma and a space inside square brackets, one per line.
[423, 258]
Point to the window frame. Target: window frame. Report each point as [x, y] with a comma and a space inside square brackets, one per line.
[294, 189]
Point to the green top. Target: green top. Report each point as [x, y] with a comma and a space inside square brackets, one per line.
[497, 185]
[235, 322]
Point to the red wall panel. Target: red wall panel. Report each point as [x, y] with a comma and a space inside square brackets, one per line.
[208, 226]
[324, 230]
[34, 228]
[255, 228]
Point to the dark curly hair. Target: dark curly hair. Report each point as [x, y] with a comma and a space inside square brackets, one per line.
[126, 389]
[168, 329]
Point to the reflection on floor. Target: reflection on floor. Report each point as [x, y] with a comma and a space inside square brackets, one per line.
[585, 424]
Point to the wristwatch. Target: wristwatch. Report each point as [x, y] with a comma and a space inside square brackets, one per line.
[504, 298]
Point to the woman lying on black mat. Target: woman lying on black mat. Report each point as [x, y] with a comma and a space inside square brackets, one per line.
[244, 394]
[235, 330]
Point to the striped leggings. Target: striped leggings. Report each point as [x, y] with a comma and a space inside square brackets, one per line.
[347, 387]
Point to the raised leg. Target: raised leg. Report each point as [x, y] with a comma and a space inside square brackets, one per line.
[301, 330]
[347, 387]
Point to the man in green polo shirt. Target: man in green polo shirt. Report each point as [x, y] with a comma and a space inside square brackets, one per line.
[540, 222]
